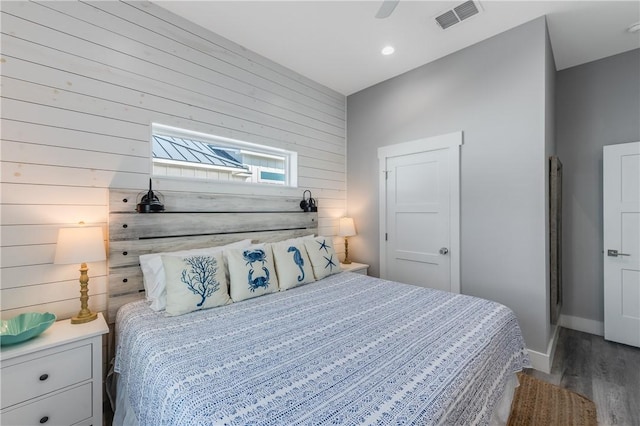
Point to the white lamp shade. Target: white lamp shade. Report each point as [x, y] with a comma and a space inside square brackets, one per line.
[346, 227]
[80, 245]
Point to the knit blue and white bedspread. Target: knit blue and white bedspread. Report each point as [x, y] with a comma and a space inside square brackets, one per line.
[348, 349]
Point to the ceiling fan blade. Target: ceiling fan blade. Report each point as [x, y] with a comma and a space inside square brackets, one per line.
[387, 8]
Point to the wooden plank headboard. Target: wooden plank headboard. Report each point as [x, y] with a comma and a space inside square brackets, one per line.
[191, 220]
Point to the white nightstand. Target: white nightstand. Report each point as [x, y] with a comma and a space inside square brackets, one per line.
[358, 268]
[55, 378]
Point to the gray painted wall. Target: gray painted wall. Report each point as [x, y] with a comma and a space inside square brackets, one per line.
[496, 92]
[597, 104]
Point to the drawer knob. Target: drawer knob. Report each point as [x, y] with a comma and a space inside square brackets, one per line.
[44, 377]
[44, 419]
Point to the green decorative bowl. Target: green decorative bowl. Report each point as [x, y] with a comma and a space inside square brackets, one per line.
[24, 327]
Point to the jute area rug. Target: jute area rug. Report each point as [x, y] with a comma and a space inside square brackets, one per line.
[539, 403]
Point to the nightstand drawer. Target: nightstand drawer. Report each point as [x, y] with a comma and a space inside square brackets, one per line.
[21, 382]
[65, 408]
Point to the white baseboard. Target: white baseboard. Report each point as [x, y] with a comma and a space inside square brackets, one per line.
[543, 361]
[582, 324]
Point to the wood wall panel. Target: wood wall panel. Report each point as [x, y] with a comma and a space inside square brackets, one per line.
[21, 131]
[278, 78]
[51, 195]
[81, 85]
[15, 298]
[21, 152]
[153, 62]
[23, 276]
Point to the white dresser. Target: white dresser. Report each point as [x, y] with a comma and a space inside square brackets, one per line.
[55, 378]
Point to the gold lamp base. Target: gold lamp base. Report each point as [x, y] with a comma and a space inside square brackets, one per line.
[85, 315]
[82, 319]
[346, 260]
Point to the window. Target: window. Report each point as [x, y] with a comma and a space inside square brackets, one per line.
[184, 153]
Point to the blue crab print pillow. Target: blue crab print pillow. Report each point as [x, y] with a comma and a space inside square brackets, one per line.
[323, 256]
[292, 264]
[251, 271]
[195, 282]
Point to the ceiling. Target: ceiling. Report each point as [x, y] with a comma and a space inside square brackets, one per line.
[338, 43]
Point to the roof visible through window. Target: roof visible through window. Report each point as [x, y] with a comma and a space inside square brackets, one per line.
[183, 153]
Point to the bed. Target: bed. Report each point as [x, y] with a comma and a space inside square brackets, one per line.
[346, 349]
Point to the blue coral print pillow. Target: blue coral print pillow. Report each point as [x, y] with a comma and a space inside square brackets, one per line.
[251, 271]
[292, 264]
[323, 256]
[195, 282]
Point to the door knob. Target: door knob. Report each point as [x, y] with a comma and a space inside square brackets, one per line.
[614, 253]
[444, 250]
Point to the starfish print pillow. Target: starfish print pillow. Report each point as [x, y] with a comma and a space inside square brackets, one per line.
[323, 256]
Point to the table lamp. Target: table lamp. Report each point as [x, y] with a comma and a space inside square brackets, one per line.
[81, 245]
[346, 229]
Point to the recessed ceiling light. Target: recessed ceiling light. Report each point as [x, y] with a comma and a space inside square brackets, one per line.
[634, 28]
[388, 50]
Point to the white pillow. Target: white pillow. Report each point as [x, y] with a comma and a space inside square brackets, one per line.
[296, 240]
[292, 264]
[251, 271]
[194, 282]
[323, 256]
[153, 272]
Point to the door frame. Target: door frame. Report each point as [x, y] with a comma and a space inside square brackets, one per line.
[451, 142]
[612, 239]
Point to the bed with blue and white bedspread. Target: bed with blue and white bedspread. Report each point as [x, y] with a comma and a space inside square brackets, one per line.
[349, 349]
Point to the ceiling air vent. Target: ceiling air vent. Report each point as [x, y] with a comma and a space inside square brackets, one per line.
[447, 19]
[457, 14]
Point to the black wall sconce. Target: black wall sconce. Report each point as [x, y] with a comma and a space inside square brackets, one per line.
[150, 202]
[308, 204]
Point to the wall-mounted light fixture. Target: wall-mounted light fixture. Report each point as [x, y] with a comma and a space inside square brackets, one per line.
[308, 204]
[150, 202]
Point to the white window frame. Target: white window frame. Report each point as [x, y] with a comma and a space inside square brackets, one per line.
[290, 157]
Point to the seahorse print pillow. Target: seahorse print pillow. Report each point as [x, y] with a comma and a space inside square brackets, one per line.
[251, 271]
[292, 264]
[323, 256]
[195, 282]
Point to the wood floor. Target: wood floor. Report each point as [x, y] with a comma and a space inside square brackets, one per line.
[605, 372]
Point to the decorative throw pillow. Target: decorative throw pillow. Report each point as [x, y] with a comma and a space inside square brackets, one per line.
[292, 264]
[194, 282]
[154, 276]
[323, 256]
[251, 271]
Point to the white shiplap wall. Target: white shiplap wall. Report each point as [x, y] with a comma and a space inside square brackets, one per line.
[81, 84]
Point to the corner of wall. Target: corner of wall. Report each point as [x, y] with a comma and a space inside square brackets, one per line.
[543, 361]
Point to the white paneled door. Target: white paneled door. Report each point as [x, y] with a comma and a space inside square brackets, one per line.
[420, 211]
[621, 172]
